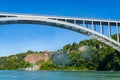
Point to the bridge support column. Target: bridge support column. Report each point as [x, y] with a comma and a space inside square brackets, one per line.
[86, 25]
[109, 29]
[101, 28]
[74, 21]
[92, 25]
[83, 23]
[65, 20]
[117, 30]
[55, 18]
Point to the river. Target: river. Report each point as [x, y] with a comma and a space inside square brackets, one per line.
[58, 75]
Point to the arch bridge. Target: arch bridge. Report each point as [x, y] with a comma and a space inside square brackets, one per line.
[95, 28]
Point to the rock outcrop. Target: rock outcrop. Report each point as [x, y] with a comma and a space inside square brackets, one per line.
[37, 57]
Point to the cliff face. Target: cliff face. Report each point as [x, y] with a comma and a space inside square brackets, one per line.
[37, 57]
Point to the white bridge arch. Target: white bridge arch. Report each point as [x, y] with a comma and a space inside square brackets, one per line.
[74, 24]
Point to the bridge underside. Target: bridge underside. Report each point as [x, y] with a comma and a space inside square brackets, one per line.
[67, 23]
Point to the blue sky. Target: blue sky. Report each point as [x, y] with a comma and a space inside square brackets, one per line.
[20, 38]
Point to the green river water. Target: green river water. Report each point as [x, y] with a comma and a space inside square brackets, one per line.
[58, 75]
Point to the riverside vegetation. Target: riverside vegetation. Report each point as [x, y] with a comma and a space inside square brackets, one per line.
[85, 55]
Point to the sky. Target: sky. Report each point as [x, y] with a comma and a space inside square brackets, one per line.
[23, 37]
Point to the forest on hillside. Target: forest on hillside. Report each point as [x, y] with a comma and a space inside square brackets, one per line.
[86, 55]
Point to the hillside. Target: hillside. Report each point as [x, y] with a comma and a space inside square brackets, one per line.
[22, 60]
[85, 55]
